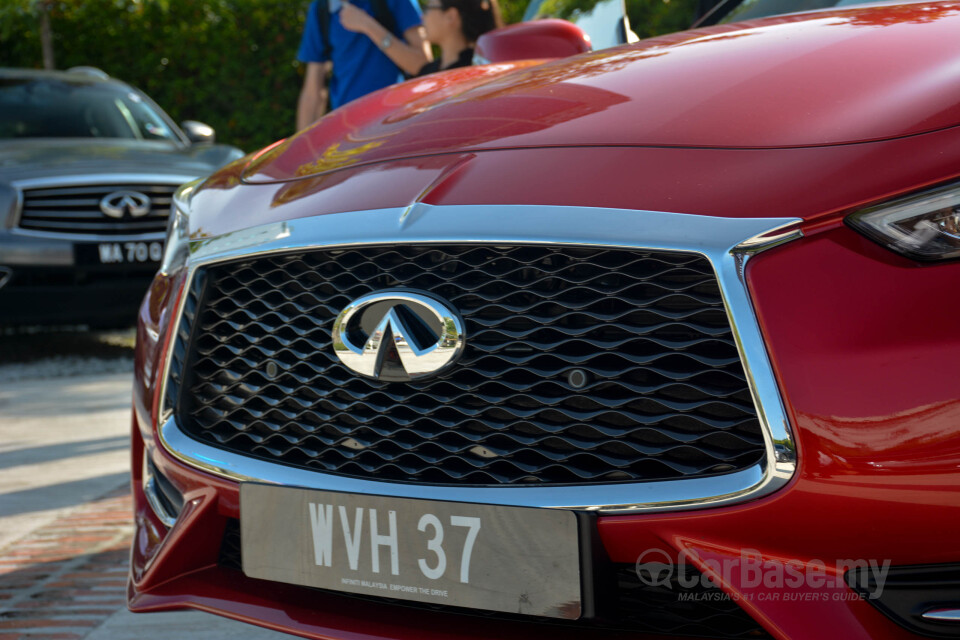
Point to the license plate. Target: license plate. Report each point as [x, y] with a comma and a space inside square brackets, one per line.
[510, 559]
[118, 253]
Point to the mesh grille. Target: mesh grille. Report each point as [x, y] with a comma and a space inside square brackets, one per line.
[77, 210]
[665, 398]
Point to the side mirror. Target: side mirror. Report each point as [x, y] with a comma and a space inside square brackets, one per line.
[198, 132]
[547, 38]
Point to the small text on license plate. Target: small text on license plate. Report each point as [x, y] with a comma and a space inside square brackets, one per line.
[130, 252]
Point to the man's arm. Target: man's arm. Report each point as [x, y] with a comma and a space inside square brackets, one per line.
[313, 96]
[410, 54]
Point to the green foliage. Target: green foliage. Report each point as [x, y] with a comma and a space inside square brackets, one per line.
[648, 18]
[229, 63]
[512, 10]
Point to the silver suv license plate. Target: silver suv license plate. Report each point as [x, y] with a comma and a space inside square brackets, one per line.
[511, 559]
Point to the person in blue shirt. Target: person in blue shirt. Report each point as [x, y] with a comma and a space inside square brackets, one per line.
[363, 55]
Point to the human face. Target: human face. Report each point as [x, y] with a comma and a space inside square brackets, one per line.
[434, 22]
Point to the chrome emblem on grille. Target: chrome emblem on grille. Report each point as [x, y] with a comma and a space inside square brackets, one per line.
[397, 335]
[118, 203]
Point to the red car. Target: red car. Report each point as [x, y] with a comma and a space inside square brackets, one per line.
[650, 342]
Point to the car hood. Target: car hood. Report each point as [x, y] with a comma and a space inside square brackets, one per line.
[39, 158]
[824, 78]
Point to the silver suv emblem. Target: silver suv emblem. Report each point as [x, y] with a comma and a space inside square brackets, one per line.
[133, 203]
[397, 335]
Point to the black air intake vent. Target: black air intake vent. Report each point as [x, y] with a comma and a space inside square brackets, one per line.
[920, 598]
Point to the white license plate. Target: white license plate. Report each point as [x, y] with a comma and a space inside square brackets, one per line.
[510, 559]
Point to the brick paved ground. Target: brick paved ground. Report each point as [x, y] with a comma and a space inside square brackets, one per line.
[64, 579]
[64, 445]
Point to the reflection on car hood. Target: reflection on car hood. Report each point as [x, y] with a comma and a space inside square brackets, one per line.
[37, 158]
[838, 77]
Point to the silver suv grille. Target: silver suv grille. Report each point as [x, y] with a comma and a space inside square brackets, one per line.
[666, 396]
[76, 210]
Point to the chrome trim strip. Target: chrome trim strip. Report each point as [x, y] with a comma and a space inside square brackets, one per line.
[718, 239]
[773, 238]
[90, 180]
[13, 217]
[93, 179]
[151, 492]
[942, 615]
[89, 237]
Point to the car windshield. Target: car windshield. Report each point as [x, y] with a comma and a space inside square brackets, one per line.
[750, 9]
[51, 108]
[603, 20]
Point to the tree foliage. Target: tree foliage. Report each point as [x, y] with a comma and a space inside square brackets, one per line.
[647, 17]
[650, 18]
[229, 63]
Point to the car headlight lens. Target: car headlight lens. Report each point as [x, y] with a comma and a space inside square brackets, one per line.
[177, 248]
[923, 227]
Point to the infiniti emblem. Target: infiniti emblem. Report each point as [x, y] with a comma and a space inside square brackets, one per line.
[132, 203]
[397, 335]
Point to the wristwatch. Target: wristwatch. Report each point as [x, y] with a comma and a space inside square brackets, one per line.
[386, 42]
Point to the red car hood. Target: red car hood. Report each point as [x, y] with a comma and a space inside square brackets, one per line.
[821, 78]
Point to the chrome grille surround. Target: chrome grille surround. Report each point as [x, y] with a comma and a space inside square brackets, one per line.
[726, 243]
[664, 395]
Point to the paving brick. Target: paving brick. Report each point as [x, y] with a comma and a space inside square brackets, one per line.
[45, 623]
[43, 634]
[66, 578]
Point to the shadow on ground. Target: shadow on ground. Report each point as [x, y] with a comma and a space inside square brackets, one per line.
[31, 345]
[64, 494]
[16, 456]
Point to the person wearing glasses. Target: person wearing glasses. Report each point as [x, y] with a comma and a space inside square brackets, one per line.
[363, 45]
[454, 26]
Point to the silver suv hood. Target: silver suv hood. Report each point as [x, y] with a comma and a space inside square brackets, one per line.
[47, 157]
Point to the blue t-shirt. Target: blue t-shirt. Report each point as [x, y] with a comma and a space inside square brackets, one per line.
[359, 66]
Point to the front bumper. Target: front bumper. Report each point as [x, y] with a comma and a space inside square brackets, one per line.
[861, 345]
[45, 285]
[64, 262]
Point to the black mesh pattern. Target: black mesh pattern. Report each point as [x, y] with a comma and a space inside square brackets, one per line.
[230, 556]
[692, 607]
[665, 394]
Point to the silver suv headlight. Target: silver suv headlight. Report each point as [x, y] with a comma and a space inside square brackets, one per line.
[923, 227]
[177, 248]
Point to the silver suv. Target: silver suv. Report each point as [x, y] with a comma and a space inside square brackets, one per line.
[88, 166]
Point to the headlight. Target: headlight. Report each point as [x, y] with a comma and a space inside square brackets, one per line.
[923, 227]
[177, 247]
